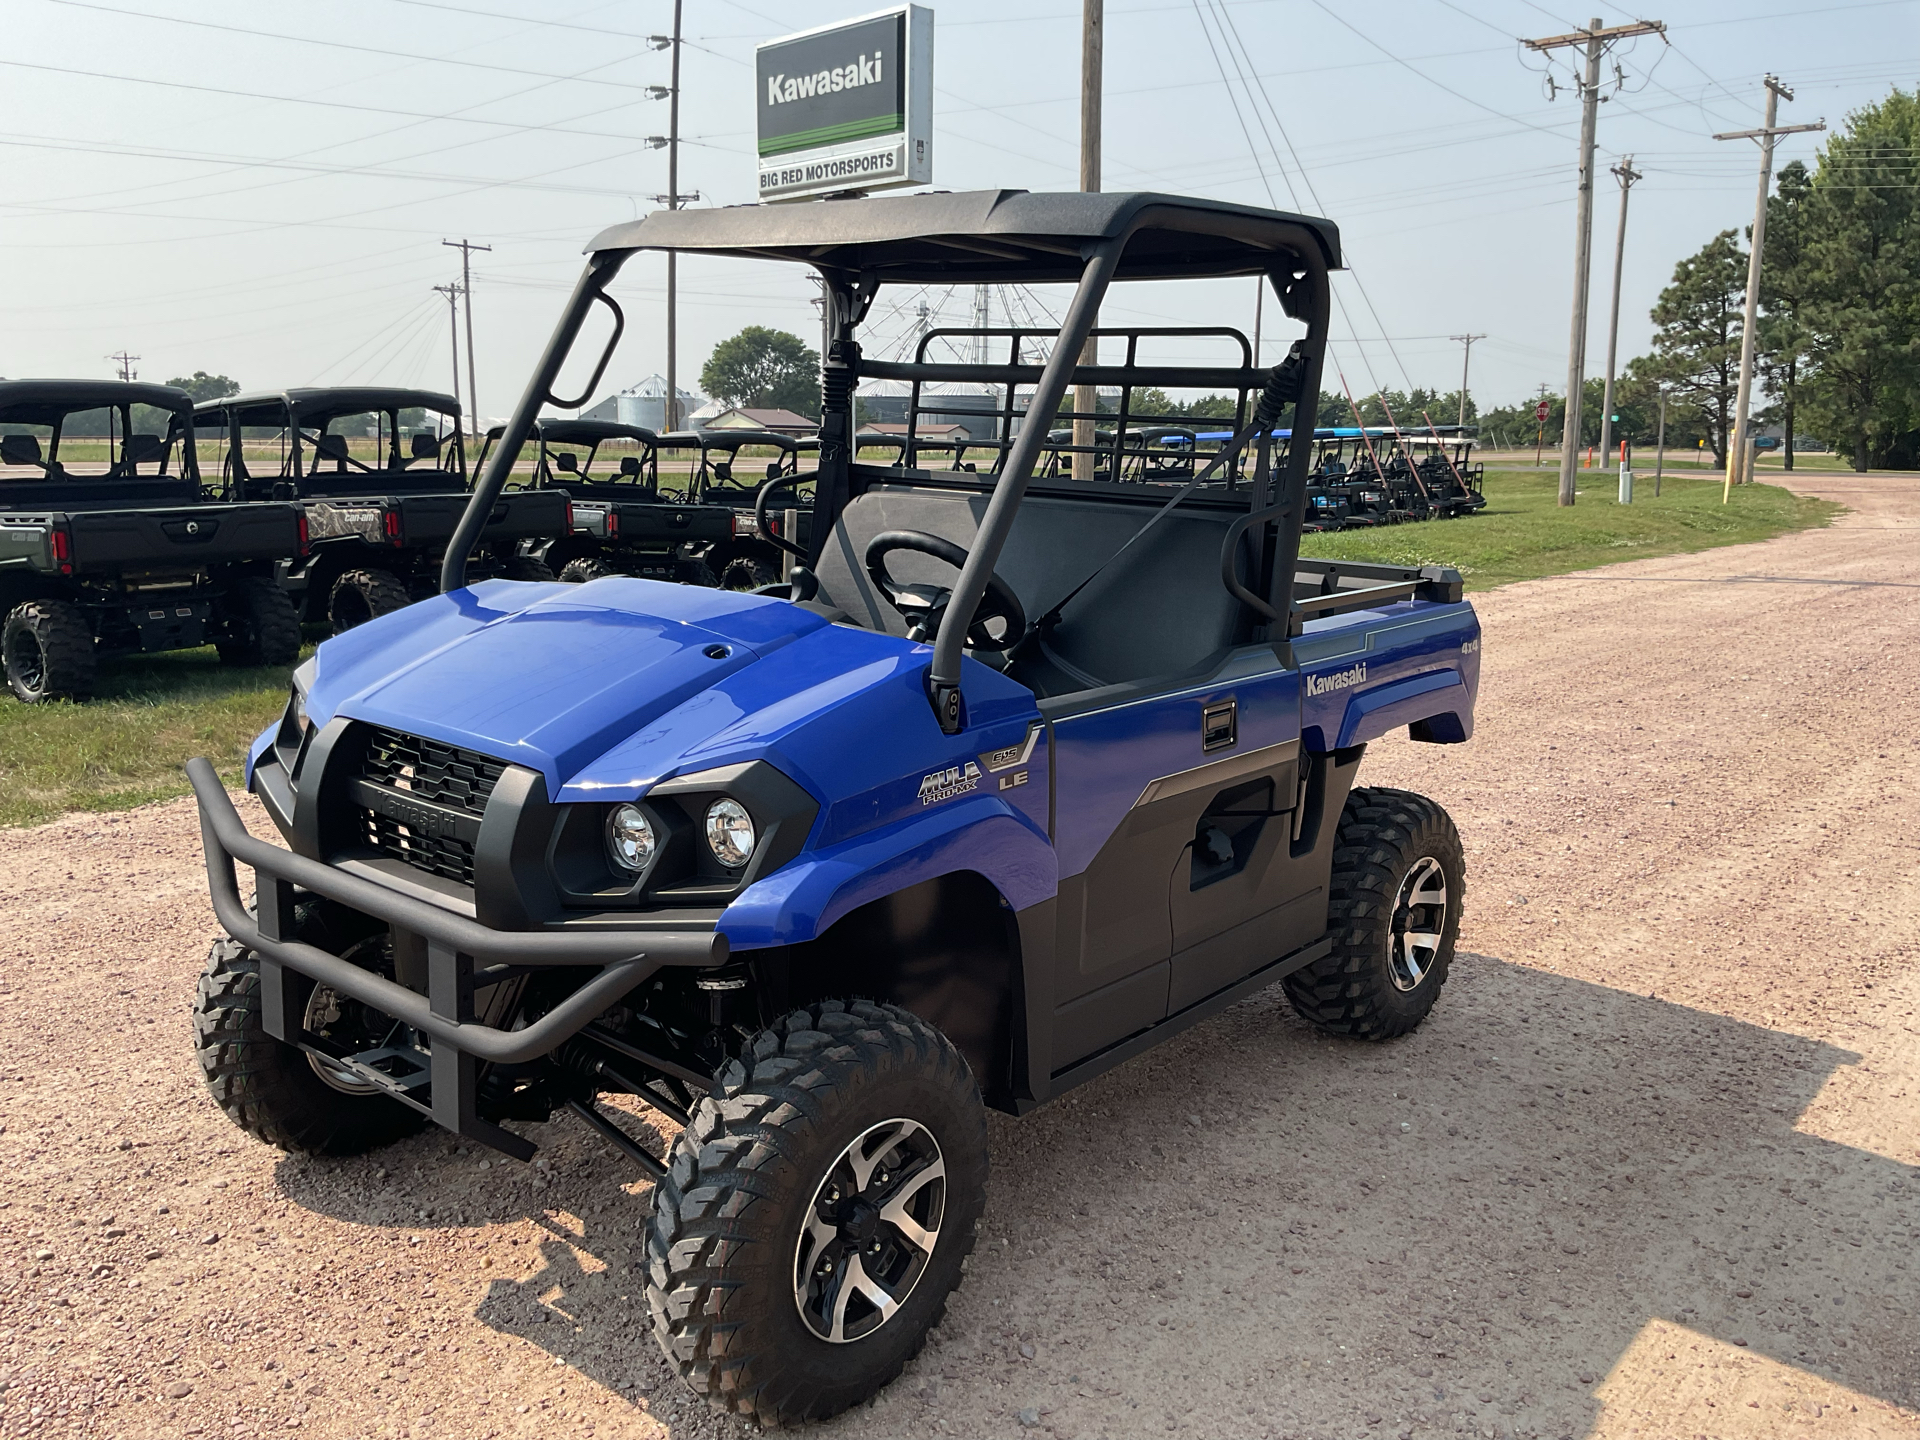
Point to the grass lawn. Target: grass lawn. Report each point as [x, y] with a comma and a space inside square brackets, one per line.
[127, 746]
[1524, 533]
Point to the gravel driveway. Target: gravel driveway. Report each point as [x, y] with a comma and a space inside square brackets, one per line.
[1652, 1168]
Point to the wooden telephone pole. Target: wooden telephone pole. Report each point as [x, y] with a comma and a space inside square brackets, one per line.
[1626, 174]
[1737, 449]
[466, 249]
[1594, 39]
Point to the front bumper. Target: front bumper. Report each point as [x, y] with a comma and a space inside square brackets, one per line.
[463, 956]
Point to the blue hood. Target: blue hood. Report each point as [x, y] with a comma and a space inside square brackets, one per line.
[546, 676]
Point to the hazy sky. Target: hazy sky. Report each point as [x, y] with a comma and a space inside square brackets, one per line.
[262, 189]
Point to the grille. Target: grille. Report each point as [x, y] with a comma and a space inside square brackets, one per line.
[436, 854]
[443, 774]
[440, 774]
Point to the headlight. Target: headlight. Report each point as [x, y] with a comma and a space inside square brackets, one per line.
[297, 712]
[630, 839]
[730, 833]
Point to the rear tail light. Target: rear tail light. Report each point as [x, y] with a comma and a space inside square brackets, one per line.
[733, 523]
[63, 550]
[392, 523]
[569, 517]
[613, 523]
[306, 542]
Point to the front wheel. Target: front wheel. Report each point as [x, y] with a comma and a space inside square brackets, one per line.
[1398, 881]
[358, 596]
[281, 1094]
[817, 1212]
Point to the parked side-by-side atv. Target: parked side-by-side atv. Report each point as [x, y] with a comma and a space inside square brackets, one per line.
[621, 522]
[1012, 778]
[381, 476]
[760, 492]
[108, 542]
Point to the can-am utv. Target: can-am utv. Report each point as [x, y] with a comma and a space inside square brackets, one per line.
[621, 523]
[109, 543]
[1025, 777]
[760, 492]
[381, 474]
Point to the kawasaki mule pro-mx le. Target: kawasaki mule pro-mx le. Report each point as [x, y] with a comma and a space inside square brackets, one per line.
[1011, 781]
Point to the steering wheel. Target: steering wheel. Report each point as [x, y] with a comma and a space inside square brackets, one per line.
[925, 606]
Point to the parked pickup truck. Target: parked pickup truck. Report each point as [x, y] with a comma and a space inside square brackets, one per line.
[1014, 780]
[621, 523]
[382, 477]
[109, 543]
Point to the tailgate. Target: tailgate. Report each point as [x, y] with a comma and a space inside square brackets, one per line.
[517, 515]
[677, 523]
[187, 536]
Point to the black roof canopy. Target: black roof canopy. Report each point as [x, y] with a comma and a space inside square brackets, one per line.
[42, 402]
[990, 235]
[582, 432]
[329, 400]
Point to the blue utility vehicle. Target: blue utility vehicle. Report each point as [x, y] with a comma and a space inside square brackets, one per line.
[1012, 780]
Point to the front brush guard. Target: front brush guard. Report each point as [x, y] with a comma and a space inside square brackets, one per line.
[462, 956]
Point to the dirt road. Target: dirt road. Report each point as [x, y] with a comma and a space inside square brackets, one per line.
[1653, 1167]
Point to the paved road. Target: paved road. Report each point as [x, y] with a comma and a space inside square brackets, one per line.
[1652, 1169]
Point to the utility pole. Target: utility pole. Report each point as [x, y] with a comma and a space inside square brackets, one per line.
[1466, 359]
[125, 363]
[1086, 398]
[1595, 38]
[453, 292]
[1737, 451]
[466, 249]
[670, 412]
[1626, 174]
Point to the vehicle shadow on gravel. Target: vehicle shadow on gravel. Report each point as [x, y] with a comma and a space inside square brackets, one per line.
[1257, 1228]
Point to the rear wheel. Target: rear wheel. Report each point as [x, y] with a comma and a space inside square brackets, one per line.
[817, 1212]
[258, 624]
[49, 651]
[362, 595]
[695, 572]
[527, 567]
[1398, 881]
[743, 572]
[578, 572]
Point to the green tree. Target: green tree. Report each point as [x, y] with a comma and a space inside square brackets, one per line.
[764, 369]
[202, 386]
[1696, 341]
[1861, 303]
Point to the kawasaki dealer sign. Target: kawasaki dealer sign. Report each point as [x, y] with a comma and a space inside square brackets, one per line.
[848, 106]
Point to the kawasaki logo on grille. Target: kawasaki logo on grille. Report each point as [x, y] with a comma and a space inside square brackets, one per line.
[423, 820]
[1339, 680]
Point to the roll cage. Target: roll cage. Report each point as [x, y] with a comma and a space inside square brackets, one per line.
[631, 476]
[313, 457]
[28, 407]
[1090, 241]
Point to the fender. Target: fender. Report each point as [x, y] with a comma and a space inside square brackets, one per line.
[987, 835]
[1437, 695]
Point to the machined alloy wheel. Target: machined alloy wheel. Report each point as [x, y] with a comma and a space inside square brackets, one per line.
[870, 1231]
[1419, 923]
[1393, 914]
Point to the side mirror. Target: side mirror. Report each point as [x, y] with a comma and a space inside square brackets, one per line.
[566, 460]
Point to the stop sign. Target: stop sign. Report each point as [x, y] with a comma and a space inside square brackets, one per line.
[1540, 412]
